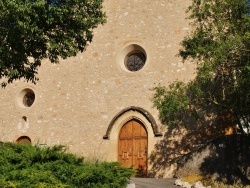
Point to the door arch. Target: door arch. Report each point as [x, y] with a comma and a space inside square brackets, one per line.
[23, 140]
[133, 146]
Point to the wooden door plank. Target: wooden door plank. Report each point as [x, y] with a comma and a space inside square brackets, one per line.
[132, 147]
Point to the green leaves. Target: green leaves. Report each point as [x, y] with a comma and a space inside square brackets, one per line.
[38, 29]
[171, 103]
[220, 45]
[28, 166]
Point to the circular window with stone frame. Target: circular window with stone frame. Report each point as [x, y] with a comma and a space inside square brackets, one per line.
[132, 58]
[26, 98]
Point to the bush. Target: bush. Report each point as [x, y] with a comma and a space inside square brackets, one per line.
[32, 166]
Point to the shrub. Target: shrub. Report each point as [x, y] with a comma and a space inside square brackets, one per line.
[32, 166]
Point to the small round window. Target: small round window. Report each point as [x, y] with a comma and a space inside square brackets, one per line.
[26, 98]
[29, 98]
[132, 58]
[135, 60]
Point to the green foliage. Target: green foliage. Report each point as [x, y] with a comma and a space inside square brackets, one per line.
[28, 166]
[220, 45]
[176, 103]
[172, 104]
[31, 30]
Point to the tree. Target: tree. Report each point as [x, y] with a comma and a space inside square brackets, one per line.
[220, 47]
[31, 30]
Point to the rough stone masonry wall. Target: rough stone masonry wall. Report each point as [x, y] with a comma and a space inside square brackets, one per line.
[223, 159]
[77, 99]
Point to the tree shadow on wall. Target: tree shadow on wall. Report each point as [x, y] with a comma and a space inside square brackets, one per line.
[195, 151]
[229, 160]
[177, 144]
[180, 142]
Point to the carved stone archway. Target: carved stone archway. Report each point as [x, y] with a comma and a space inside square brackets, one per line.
[131, 114]
[139, 110]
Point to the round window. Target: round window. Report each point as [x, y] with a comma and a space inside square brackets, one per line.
[26, 98]
[132, 58]
[29, 98]
[135, 60]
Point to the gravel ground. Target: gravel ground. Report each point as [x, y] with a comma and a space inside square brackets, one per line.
[151, 183]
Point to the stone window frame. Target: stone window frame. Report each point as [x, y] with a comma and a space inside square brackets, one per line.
[26, 98]
[127, 51]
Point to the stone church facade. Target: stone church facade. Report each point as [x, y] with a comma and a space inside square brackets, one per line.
[98, 103]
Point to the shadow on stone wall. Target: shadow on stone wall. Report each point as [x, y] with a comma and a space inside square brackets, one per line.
[226, 158]
[229, 159]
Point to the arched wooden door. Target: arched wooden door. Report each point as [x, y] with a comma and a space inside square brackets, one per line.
[132, 147]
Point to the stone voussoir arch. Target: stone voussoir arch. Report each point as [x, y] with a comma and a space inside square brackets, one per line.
[133, 113]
